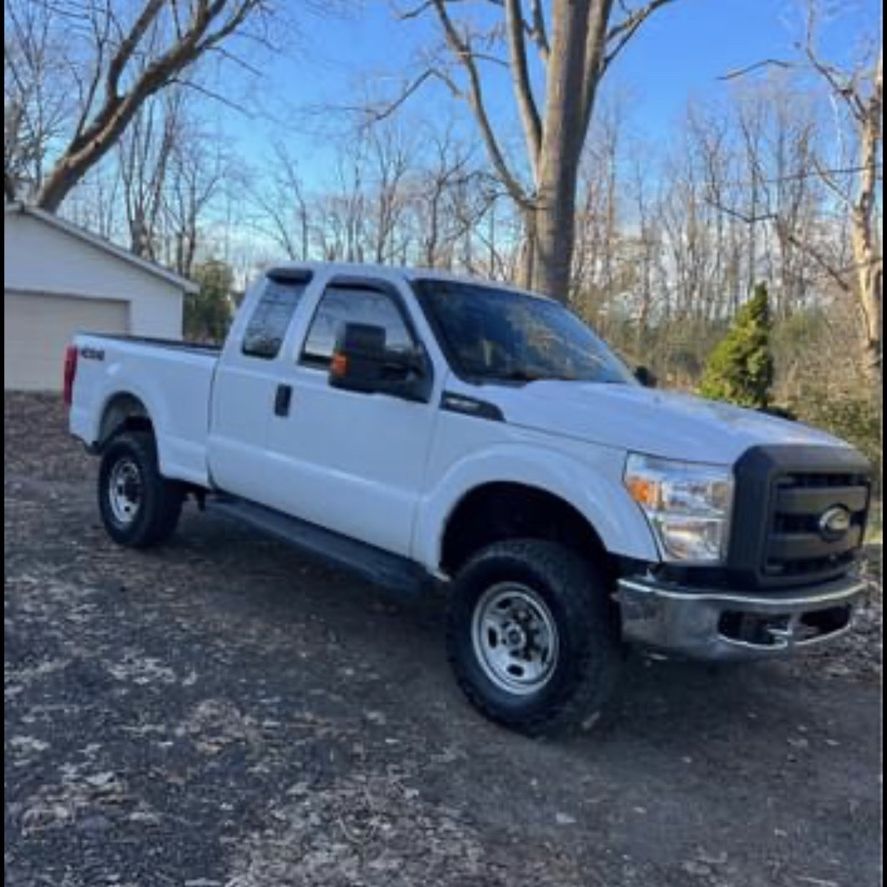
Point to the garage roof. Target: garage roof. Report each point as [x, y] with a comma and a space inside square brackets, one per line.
[101, 243]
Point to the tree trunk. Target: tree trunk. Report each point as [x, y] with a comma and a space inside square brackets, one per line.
[582, 46]
[866, 249]
[552, 238]
[574, 68]
[527, 262]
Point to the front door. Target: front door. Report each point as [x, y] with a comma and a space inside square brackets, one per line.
[349, 461]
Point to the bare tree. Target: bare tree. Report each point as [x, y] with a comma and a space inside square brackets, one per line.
[96, 204]
[130, 62]
[341, 216]
[451, 194]
[283, 211]
[599, 266]
[390, 156]
[198, 168]
[573, 51]
[144, 154]
[648, 248]
[36, 102]
[449, 166]
[859, 92]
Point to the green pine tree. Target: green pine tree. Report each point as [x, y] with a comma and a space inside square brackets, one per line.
[740, 368]
[208, 312]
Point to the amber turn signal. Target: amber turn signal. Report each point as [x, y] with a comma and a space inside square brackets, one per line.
[643, 491]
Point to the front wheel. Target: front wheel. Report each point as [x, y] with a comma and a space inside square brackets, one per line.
[139, 506]
[532, 636]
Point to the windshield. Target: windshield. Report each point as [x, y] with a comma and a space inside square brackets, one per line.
[503, 335]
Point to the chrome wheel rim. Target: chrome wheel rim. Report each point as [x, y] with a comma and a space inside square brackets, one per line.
[125, 491]
[515, 638]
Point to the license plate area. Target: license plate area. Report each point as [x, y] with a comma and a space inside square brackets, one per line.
[775, 630]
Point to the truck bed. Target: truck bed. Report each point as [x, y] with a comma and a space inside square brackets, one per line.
[177, 344]
[173, 381]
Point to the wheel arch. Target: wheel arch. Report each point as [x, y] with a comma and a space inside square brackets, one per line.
[585, 492]
[497, 510]
[122, 411]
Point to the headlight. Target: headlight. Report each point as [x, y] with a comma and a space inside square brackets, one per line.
[688, 505]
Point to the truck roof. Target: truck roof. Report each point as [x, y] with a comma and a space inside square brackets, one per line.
[393, 272]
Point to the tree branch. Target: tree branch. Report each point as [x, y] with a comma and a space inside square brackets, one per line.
[212, 94]
[462, 51]
[828, 180]
[539, 32]
[97, 136]
[765, 63]
[377, 115]
[802, 244]
[520, 79]
[621, 33]
[595, 50]
[149, 13]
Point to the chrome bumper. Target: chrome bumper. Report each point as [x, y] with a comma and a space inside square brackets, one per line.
[730, 625]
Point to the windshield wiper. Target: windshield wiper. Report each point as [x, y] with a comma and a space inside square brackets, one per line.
[526, 376]
[519, 376]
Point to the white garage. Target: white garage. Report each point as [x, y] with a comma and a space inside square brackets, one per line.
[59, 279]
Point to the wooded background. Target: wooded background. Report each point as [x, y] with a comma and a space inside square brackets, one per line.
[774, 178]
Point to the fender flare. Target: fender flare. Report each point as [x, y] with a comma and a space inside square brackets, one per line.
[604, 503]
[155, 417]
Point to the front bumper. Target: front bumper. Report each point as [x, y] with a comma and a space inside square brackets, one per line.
[726, 625]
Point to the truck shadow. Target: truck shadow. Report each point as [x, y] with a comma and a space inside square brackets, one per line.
[669, 704]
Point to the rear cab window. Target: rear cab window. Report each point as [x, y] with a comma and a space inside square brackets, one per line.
[271, 317]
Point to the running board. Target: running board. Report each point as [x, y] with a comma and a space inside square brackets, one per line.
[380, 567]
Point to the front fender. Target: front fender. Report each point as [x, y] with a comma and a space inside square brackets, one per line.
[592, 486]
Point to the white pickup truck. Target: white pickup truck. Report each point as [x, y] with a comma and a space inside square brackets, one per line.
[423, 428]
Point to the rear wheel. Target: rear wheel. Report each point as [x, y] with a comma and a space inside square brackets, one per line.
[139, 507]
[532, 636]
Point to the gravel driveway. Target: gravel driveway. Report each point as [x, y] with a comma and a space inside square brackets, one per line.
[223, 713]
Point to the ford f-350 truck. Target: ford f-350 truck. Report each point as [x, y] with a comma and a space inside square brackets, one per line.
[423, 428]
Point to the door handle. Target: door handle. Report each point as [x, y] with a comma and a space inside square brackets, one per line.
[282, 400]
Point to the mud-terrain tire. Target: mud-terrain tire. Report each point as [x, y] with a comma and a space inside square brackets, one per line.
[531, 586]
[139, 506]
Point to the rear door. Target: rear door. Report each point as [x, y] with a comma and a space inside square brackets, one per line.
[246, 388]
[349, 461]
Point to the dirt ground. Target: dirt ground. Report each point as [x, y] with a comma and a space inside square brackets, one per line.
[223, 713]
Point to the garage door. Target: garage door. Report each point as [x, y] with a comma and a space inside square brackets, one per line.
[37, 328]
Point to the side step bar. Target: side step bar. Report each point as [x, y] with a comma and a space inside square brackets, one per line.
[377, 566]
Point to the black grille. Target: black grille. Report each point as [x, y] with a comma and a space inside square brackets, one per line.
[808, 480]
[795, 543]
[781, 496]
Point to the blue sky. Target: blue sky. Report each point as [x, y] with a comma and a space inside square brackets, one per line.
[678, 54]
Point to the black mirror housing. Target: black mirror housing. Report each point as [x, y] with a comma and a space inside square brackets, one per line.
[361, 362]
[358, 357]
[645, 376]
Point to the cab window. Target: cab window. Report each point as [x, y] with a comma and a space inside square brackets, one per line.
[271, 317]
[350, 304]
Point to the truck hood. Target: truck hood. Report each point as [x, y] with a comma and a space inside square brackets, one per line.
[661, 423]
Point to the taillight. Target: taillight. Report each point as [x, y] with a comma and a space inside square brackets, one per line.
[70, 372]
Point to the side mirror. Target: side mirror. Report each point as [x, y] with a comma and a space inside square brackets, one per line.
[780, 412]
[361, 362]
[645, 376]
